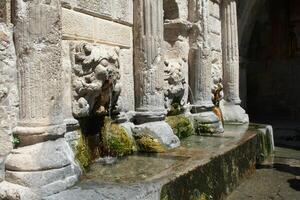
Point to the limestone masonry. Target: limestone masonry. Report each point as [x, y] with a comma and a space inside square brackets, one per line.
[85, 79]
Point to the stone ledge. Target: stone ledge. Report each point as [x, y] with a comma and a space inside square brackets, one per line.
[203, 168]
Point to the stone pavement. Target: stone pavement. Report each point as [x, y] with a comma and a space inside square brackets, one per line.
[276, 179]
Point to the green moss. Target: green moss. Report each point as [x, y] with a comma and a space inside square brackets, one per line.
[115, 140]
[204, 128]
[181, 126]
[83, 153]
[147, 143]
[265, 146]
[16, 141]
[176, 109]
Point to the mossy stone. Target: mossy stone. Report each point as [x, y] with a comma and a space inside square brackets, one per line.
[176, 109]
[148, 144]
[181, 125]
[115, 140]
[83, 153]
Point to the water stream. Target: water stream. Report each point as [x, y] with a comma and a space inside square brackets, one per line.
[108, 159]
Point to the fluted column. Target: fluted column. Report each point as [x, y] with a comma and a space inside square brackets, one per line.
[205, 121]
[148, 59]
[201, 72]
[149, 67]
[42, 150]
[231, 108]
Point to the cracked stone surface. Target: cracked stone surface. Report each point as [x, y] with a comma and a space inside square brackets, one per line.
[276, 179]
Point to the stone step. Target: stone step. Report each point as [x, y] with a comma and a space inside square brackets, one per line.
[204, 167]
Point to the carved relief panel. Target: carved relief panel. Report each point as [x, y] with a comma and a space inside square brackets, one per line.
[95, 79]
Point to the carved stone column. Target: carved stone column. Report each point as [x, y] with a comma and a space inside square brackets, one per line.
[149, 69]
[205, 120]
[232, 111]
[44, 161]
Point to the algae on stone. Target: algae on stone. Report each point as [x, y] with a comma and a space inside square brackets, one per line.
[83, 153]
[148, 144]
[175, 109]
[115, 140]
[181, 126]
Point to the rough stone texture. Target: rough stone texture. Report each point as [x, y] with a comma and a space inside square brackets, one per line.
[9, 99]
[158, 130]
[67, 94]
[127, 96]
[39, 179]
[38, 157]
[119, 11]
[2, 168]
[5, 10]
[9, 191]
[95, 79]
[234, 114]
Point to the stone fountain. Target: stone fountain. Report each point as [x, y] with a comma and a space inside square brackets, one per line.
[122, 98]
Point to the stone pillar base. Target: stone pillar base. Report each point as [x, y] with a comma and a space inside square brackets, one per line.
[233, 113]
[46, 167]
[13, 191]
[2, 168]
[160, 131]
[207, 122]
[36, 134]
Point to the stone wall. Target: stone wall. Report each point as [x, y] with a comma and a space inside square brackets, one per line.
[8, 92]
[215, 40]
[105, 23]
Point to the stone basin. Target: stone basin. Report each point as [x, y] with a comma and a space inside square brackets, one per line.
[204, 167]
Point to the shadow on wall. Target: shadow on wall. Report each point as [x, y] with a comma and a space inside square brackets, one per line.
[170, 9]
[272, 62]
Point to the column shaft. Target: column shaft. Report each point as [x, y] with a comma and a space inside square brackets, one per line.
[149, 73]
[201, 73]
[148, 58]
[230, 52]
[232, 111]
[43, 151]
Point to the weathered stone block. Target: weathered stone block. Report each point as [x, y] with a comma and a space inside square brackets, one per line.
[41, 156]
[77, 25]
[96, 7]
[9, 99]
[11, 191]
[214, 25]
[214, 9]
[37, 179]
[215, 42]
[126, 69]
[112, 33]
[123, 11]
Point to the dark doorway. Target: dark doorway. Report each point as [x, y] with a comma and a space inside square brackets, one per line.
[273, 69]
